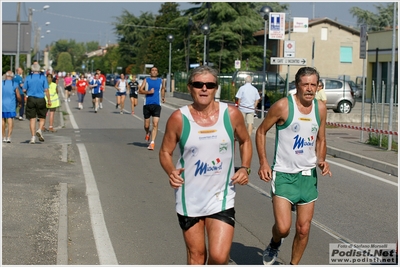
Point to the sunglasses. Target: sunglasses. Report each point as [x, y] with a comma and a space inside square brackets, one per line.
[201, 84]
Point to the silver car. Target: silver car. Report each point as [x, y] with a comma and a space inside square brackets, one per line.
[339, 95]
[141, 77]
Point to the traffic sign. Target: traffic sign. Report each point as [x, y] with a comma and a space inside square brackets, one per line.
[290, 48]
[237, 64]
[363, 41]
[288, 61]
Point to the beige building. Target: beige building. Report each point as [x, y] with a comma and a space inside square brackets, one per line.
[379, 67]
[336, 49]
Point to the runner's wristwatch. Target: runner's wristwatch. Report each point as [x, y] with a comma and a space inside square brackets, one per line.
[247, 169]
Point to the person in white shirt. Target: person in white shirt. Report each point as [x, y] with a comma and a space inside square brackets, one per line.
[248, 98]
[121, 86]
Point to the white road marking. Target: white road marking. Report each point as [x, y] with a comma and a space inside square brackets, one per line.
[322, 227]
[104, 247]
[363, 173]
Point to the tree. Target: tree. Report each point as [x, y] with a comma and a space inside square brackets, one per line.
[64, 62]
[111, 59]
[132, 34]
[375, 22]
[158, 49]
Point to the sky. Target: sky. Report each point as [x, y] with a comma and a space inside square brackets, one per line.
[92, 21]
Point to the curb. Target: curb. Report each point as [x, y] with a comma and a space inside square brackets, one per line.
[374, 164]
[62, 247]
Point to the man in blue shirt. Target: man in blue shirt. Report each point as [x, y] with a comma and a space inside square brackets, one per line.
[18, 80]
[95, 85]
[154, 90]
[10, 95]
[36, 86]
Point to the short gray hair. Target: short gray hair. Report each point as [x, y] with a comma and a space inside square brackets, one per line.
[9, 74]
[248, 79]
[35, 67]
[203, 70]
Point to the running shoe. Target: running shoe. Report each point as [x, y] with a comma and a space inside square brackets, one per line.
[151, 146]
[20, 118]
[133, 113]
[116, 106]
[51, 129]
[4, 140]
[33, 140]
[8, 140]
[69, 99]
[39, 134]
[101, 105]
[121, 112]
[147, 138]
[269, 255]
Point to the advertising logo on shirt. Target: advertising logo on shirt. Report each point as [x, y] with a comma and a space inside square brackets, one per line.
[208, 169]
[301, 142]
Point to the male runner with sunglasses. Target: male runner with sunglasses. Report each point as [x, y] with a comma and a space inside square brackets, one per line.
[154, 90]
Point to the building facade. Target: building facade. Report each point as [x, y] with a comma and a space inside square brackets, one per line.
[332, 48]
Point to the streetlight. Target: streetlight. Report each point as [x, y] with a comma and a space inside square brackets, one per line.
[190, 25]
[36, 40]
[92, 65]
[264, 12]
[170, 39]
[205, 29]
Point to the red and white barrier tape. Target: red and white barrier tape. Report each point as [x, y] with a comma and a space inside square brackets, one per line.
[362, 128]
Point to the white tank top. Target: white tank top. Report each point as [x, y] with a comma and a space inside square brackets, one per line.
[207, 155]
[122, 86]
[295, 140]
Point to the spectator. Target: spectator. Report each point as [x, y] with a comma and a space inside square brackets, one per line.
[18, 79]
[55, 102]
[10, 93]
[321, 95]
[36, 86]
[248, 98]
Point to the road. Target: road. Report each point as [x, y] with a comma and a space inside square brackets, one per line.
[121, 207]
[138, 205]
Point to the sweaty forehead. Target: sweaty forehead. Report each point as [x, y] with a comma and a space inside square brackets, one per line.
[309, 78]
[208, 77]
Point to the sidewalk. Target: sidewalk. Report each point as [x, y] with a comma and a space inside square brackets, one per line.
[342, 143]
[33, 178]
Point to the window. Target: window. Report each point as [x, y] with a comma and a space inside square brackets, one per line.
[324, 34]
[346, 54]
[333, 84]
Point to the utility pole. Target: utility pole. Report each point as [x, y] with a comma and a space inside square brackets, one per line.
[18, 35]
[28, 56]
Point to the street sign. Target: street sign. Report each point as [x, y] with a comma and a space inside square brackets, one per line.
[237, 64]
[288, 61]
[363, 41]
[290, 48]
[276, 26]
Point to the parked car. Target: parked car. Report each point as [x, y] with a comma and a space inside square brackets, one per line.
[273, 81]
[111, 79]
[141, 77]
[339, 95]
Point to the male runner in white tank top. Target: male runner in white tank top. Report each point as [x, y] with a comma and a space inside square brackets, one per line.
[204, 178]
[300, 146]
